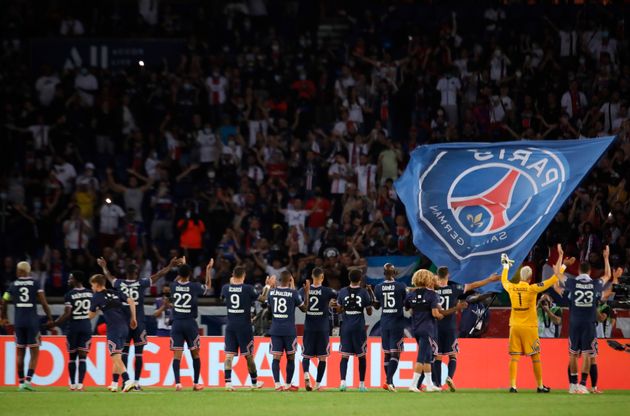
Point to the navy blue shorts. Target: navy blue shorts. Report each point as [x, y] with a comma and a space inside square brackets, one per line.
[79, 336]
[392, 338]
[427, 347]
[27, 336]
[138, 335]
[184, 330]
[116, 338]
[316, 344]
[284, 343]
[447, 342]
[239, 339]
[353, 342]
[583, 339]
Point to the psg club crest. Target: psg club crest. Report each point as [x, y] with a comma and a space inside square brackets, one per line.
[486, 201]
[469, 202]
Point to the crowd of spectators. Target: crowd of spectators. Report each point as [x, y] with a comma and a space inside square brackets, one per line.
[272, 148]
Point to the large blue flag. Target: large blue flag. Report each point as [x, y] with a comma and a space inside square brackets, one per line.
[469, 202]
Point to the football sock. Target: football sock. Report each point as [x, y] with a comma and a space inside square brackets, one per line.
[306, 363]
[436, 369]
[420, 380]
[228, 376]
[115, 378]
[537, 369]
[72, 367]
[343, 368]
[290, 370]
[125, 377]
[391, 369]
[176, 363]
[362, 368]
[253, 375]
[452, 366]
[569, 374]
[573, 378]
[29, 375]
[429, 379]
[196, 369]
[21, 375]
[275, 369]
[416, 379]
[513, 369]
[82, 369]
[386, 359]
[583, 379]
[137, 367]
[125, 355]
[594, 375]
[321, 369]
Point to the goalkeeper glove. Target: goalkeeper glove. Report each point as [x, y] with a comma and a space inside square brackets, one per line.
[505, 260]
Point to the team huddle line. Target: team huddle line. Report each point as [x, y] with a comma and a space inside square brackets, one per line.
[432, 302]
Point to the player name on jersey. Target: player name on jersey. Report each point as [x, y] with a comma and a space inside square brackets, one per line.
[24, 301]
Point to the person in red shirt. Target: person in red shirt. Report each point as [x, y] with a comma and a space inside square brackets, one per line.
[320, 208]
[191, 230]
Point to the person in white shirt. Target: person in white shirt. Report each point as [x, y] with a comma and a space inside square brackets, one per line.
[355, 148]
[86, 85]
[345, 81]
[208, 145]
[46, 86]
[574, 102]
[71, 27]
[339, 173]
[76, 231]
[109, 227]
[366, 175]
[65, 173]
[128, 119]
[216, 85]
[609, 111]
[499, 66]
[295, 215]
[449, 87]
[502, 105]
[87, 178]
[40, 132]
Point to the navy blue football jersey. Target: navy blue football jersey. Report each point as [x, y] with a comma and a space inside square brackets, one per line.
[391, 295]
[135, 290]
[23, 293]
[79, 301]
[318, 312]
[421, 301]
[282, 302]
[354, 301]
[239, 300]
[184, 297]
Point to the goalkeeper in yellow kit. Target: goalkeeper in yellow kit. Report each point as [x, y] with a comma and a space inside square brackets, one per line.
[524, 319]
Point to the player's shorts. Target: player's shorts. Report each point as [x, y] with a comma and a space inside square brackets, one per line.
[392, 338]
[316, 344]
[353, 342]
[427, 347]
[583, 339]
[283, 343]
[116, 338]
[184, 331]
[447, 343]
[239, 339]
[138, 335]
[524, 340]
[79, 336]
[27, 336]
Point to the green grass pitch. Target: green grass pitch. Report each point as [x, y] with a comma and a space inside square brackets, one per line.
[166, 402]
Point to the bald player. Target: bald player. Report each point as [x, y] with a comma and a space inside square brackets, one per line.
[24, 293]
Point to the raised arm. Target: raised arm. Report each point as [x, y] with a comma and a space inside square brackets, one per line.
[506, 262]
[172, 264]
[607, 271]
[558, 272]
[479, 283]
[103, 265]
